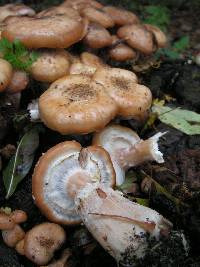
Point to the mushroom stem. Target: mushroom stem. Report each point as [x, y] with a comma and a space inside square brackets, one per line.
[117, 223]
[145, 150]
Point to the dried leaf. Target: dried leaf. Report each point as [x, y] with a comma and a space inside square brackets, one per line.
[184, 120]
[21, 162]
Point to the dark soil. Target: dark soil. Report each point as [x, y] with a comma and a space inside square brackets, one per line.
[180, 174]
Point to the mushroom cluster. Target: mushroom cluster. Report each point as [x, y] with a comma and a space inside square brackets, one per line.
[119, 31]
[71, 183]
[38, 244]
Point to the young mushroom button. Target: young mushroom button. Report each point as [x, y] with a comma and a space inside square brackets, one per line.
[64, 170]
[76, 104]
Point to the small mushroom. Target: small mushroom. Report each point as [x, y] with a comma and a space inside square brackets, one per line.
[81, 4]
[133, 99]
[126, 149]
[18, 83]
[50, 65]
[138, 37]
[42, 241]
[76, 104]
[122, 52]
[20, 247]
[6, 223]
[160, 37]
[18, 216]
[98, 16]
[118, 224]
[5, 74]
[15, 10]
[97, 36]
[61, 172]
[121, 16]
[58, 31]
[13, 236]
[91, 60]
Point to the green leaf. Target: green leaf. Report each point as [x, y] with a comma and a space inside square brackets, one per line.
[128, 183]
[142, 201]
[182, 44]
[21, 162]
[184, 120]
[17, 54]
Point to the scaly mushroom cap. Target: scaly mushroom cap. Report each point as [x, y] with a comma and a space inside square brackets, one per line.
[61, 172]
[121, 16]
[50, 65]
[98, 16]
[133, 99]
[126, 149]
[5, 74]
[59, 31]
[159, 35]
[97, 36]
[15, 10]
[137, 37]
[42, 241]
[76, 104]
[122, 52]
[118, 224]
[18, 83]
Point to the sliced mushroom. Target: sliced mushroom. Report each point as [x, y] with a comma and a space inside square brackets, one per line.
[118, 224]
[42, 241]
[121, 16]
[133, 99]
[50, 65]
[98, 16]
[18, 83]
[76, 104]
[160, 37]
[13, 236]
[127, 149]
[59, 31]
[138, 37]
[15, 10]
[97, 36]
[5, 74]
[61, 172]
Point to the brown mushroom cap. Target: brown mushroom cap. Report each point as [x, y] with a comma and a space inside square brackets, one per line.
[97, 36]
[133, 99]
[59, 31]
[6, 222]
[61, 172]
[19, 216]
[50, 65]
[91, 60]
[59, 10]
[5, 74]
[80, 68]
[76, 104]
[15, 10]
[42, 241]
[137, 37]
[122, 52]
[159, 35]
[13, 236]
[80, 4]
[18, 83]
[98, 16]
[121, 16]
[20, 247]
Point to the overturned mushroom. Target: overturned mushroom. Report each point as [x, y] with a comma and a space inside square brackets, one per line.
[50, 65]
[42, 241]
[62, 171]
[76, 104]
[58, 31]
[15, 10]
[119, 225]
[5, 74]
[127, 149]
